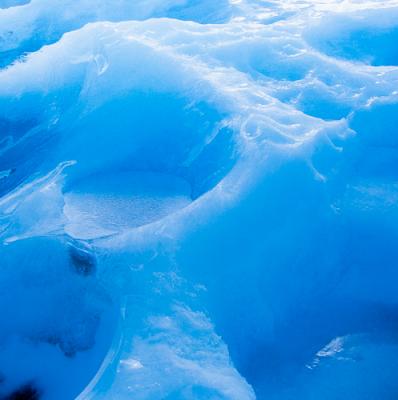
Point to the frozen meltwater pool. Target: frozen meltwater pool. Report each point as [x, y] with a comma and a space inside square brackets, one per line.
[101, 205]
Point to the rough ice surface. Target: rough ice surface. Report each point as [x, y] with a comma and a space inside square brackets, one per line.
[199, 199]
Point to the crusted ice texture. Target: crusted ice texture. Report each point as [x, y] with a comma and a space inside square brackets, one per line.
[198, 199]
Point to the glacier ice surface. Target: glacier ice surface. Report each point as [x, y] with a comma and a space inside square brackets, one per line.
[198, 199]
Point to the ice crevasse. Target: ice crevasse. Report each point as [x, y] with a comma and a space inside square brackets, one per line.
[198, 199]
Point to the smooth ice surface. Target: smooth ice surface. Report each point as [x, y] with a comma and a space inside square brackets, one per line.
[199, 199]
[103, 205]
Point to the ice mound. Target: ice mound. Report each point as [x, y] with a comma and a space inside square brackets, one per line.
[198, 199]
[367, 36]
[26, 28]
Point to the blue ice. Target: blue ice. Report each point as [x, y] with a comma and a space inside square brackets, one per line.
[198, 199]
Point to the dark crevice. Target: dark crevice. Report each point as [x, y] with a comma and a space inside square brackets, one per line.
[27, 392]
